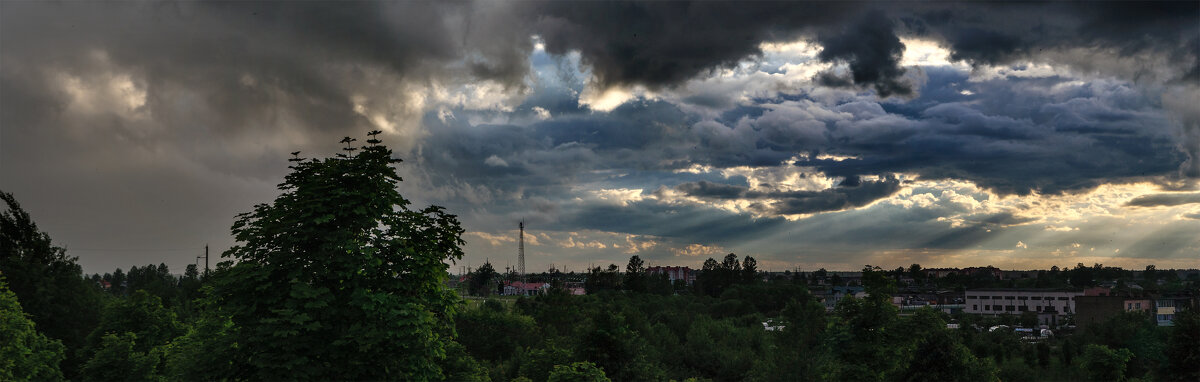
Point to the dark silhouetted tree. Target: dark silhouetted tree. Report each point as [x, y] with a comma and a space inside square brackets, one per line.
[25, 354]
[48, 284]
[338, 279]
[1104, 364]
[1183, 354]
[635, 275]
[482, 280]
[749, 269]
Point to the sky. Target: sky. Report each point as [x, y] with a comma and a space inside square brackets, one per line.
[807, 135]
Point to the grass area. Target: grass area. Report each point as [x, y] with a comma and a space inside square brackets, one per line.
[475, 301]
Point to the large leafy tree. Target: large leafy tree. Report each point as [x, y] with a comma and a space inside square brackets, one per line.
[130, 339]
[48, 284]
[483, 280]
[1183, 356]
[1102, 363]
[338, 279]
[25, 354]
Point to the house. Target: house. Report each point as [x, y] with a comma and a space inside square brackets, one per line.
[831, 296]
[1166, 306]
[1094, 309]
[674, 273]
[991, 271]
[937, 273]
[1051, 305]
[518, 288]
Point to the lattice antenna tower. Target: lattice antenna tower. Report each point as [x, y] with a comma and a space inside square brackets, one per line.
[521, 248]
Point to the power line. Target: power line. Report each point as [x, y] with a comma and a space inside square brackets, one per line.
[133, 249]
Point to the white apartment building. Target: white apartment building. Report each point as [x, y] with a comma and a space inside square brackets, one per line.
[1051, 305]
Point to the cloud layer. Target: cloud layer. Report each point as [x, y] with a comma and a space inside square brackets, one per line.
[815, 133]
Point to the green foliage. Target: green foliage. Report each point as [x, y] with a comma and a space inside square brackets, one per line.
[494, 334]
[721, 349]
[1029, 320]
[749, 270]
[141, 315]
[798, 351]
[339, 278]
[939, 356]
[577, 372]
[615, 347]
[201, 354]
[1183, 353]
[460, 366]
[537, 364]
[1101, 363]
[600, 280]
[1136, 331]
[48, 284]
[25, 354]
[482, 281]
[117, 359]
[866, 340]
[716, 277]
[1043, 355]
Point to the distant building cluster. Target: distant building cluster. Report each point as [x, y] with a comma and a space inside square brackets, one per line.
[1053, 307]
[674, 273]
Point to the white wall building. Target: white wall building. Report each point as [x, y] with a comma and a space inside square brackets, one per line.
[1051, 305]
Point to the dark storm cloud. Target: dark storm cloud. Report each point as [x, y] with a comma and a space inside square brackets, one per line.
[1022, 140]
[873, 51]
[241, 70]
[560, 151]
[658, 44]
[998, 33]
[856, 193]
[1167, 200]
[665, 43]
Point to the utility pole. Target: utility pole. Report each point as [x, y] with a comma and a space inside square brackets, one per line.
[205, 259]
[521, 249]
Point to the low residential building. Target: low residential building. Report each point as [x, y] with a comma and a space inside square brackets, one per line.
[937, 273]
[1051, 305]
[675, 273]
[990, 271]
[1167, 306]
[831, 296]
[1094, 309]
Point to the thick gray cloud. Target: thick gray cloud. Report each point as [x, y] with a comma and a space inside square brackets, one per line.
[1156, 200]
[1020, 139]
[850, 193]
[873, 51]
